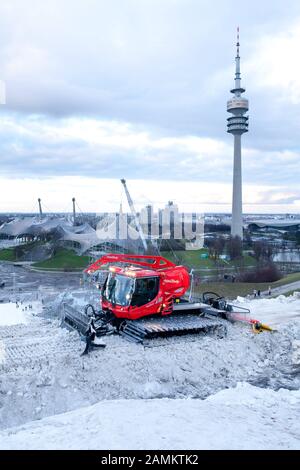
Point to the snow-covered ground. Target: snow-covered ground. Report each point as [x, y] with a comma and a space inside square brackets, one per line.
[276, 312]
[245, 417]
[141, 396]
[12, 313]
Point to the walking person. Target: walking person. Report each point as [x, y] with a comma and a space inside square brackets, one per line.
[269, 290]
[254, 293]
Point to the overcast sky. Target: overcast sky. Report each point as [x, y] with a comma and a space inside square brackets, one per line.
[98, 90]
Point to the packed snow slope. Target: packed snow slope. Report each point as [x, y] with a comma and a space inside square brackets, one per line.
[11, 314]
[245, 417]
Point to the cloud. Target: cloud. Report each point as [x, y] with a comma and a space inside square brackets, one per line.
[151, 61]
[96, 195]
[138, 89]
[276, 59]
[74, 146]
[36, 146]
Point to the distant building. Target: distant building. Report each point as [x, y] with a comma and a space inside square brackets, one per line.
[288, 225]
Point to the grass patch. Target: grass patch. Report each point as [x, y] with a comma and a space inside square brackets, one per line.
[17, 252]
[7, 254]
[294, 277]
[246, 261]
[192, 259]
[64, 260]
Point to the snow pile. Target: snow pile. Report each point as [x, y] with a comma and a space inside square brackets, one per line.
[276, 312]
[242, 418]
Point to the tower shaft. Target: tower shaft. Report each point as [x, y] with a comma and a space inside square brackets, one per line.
[237, 207]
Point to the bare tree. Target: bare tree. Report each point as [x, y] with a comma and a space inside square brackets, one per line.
[216, 247]
[263, 251]
[234, 247]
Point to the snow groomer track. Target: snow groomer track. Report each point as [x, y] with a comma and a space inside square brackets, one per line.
[150, 328]
[36, 342]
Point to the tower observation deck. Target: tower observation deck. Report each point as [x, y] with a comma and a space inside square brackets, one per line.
[237, 125]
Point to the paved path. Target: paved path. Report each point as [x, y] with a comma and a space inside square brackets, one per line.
[282, 289]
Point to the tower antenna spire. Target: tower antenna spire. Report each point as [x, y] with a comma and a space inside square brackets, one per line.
[238, 42]
[237, 64]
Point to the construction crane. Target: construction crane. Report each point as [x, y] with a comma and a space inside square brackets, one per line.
[136, 218]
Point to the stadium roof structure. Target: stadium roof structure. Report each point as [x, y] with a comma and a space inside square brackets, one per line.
[62, 229]
[279, 224]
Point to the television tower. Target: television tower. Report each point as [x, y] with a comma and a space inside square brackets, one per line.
[237, 125]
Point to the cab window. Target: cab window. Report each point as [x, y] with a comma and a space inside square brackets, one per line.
[146, 289]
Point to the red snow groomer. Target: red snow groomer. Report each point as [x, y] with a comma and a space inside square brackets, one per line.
[146, 285]
[143, 297]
